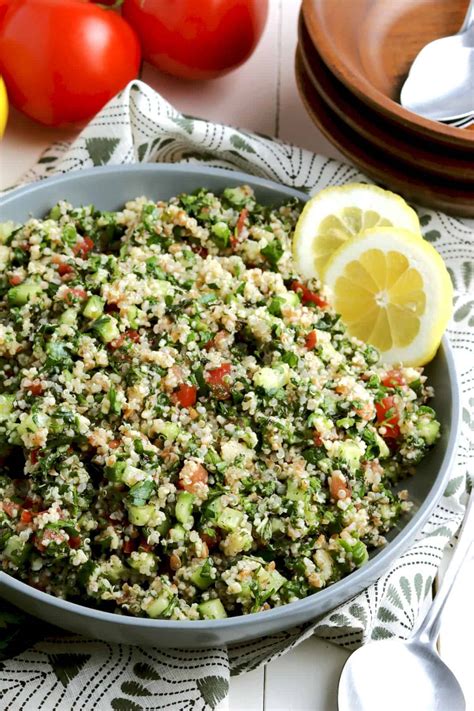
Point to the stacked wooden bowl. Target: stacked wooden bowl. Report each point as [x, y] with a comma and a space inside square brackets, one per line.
[351, 61]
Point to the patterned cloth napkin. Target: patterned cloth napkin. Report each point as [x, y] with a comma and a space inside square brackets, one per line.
[44, 668]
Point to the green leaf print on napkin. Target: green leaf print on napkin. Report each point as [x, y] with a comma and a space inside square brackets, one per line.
[213, 689]
[101, 149]
[67, 666]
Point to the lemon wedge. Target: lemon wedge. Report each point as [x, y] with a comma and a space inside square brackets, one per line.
[337, 214]
[392, 291]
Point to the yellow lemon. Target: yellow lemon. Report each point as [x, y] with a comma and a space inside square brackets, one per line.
[337, 214]
[392, 291]
[3, 107]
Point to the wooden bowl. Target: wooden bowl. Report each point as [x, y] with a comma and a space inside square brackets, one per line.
[370, 45]
[452, 197]
[440, 161]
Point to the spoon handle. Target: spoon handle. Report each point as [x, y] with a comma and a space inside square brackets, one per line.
[428, 629]
[469, 18]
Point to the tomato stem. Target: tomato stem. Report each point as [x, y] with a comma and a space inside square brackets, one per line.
[114, 6]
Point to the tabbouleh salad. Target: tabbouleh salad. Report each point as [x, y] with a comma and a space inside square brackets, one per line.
[186, 429]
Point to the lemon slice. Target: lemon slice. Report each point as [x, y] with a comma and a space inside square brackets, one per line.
[392, 291]
[338, 213]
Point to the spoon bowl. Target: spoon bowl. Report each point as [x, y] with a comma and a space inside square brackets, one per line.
[440, 83]
[393, 675]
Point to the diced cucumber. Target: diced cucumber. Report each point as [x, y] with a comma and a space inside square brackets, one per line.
[132, 314]
[162, 287]
[220, 234]
[272, 378]
[16, 550]
[236, 542]
[349, 452]
[6, 228]
[115, 472]
[107, 329]
[201, 577]
[32, 423]
[384, 451]
[236, 196]
[132, 475]
[158, 606]
[212, 610]
[428, 429]
[229, 519]
[21, 294]
[4, 255]
[69, 317]
[143, 562]
[169, 430]
[114, 569]
[290, 298]
[294, 492]
[140, 515]
[6, 405]
[177, 533]
[94, 307]
[184, 506]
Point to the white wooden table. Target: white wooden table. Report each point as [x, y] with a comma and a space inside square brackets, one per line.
[262, 96]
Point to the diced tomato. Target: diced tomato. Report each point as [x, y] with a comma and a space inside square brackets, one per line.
[185, 395]
[111, 308]
[118, 342]
[338, 486]
[10, 508]
[34, 455]
[64, 269]
[311, 340]
[74, 542]
[241, 221]
[191, 476]
[198, 249]
[76, 292]
[317, 439]
[393, 378]
[128, 546]
[388, 416]
[216, 375]
[308, 296]
[83, 247]
[114, 443]
[144, 546]
[36, 388]
[26, 516]
[49, 535]
[210, 541]
[15, 279]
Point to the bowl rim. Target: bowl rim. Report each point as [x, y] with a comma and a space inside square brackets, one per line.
[356, 581]
[365, 90]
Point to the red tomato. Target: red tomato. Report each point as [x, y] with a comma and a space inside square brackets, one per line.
[311, 340]
[216, 375]
[74, 542]
[64, 269]
[388, 416]
[118, 342]
[308, 296]
[15, 279]
[191, 476]
[83, 247]
[62, 60]
[393, 378]
[197, 39]
[26, 516]
[75, 293]
[185, 395]
[36, 388]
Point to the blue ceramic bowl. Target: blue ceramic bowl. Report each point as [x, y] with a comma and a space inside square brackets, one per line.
[109, 188]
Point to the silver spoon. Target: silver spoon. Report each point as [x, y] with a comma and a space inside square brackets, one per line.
[396, 675]
[440, 84]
